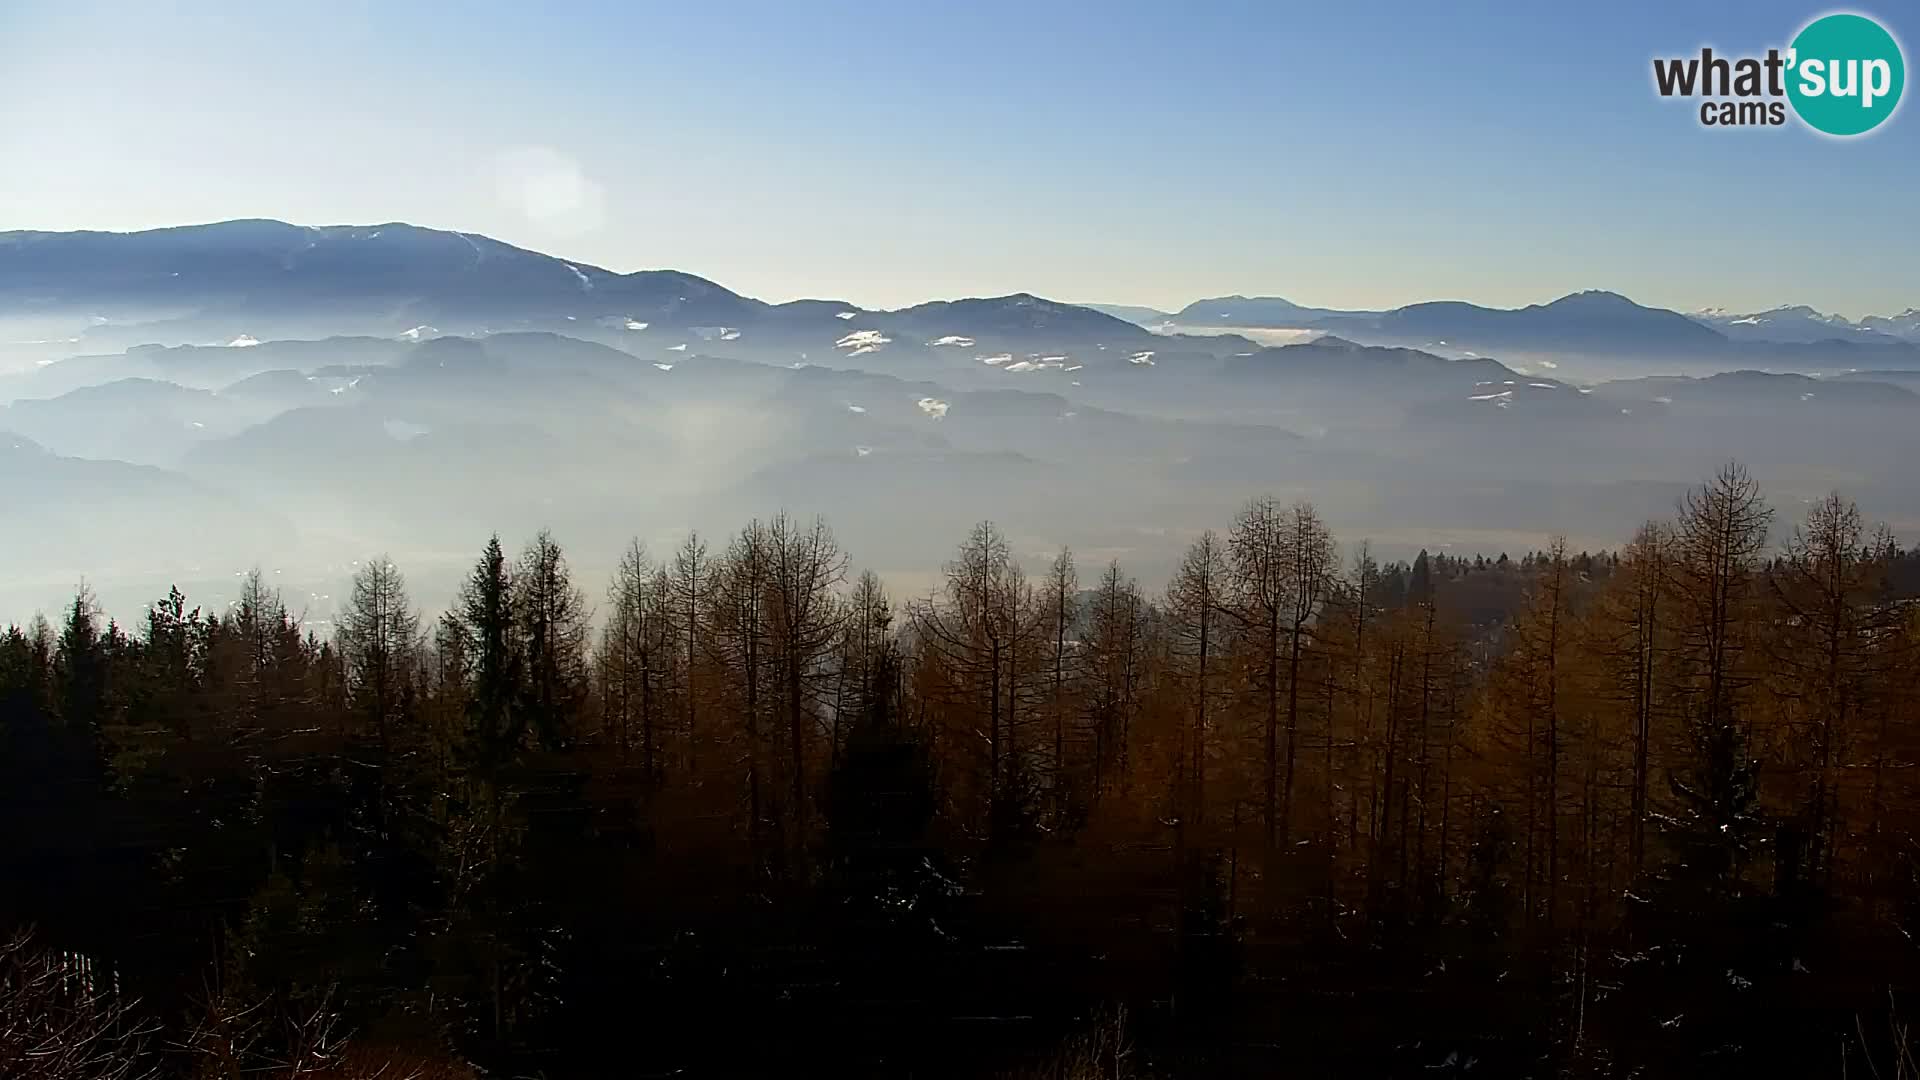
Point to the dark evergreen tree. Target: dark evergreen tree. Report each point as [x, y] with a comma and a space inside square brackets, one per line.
[495, 724]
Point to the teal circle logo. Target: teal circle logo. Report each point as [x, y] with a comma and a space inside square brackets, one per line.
[1845, 74]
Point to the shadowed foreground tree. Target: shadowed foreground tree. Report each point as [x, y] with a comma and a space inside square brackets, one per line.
[496, 723]
[637, 660]
[379, 635]
[1832, 661]
[1196, 614]
[1715, 577]
[553, 620]
[971, 640]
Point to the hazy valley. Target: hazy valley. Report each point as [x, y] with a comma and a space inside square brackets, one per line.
[255, 393]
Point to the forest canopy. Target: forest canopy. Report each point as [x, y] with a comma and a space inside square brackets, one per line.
[1647, 811]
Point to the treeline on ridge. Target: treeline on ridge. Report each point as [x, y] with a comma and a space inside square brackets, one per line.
[1646, 810]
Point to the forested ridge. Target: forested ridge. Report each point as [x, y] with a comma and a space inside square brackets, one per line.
[1647, 812]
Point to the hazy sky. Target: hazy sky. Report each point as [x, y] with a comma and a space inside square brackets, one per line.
[1347, 154]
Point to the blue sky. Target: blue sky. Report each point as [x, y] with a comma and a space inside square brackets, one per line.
[1351, 154]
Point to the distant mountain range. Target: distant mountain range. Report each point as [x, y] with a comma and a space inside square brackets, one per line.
[1801, 324]
[236, 282]
[1259, 311]
[182, 403]
[1581, 322]
[1253, 312]
[1134, 313]
[1587, 322]
[271, 269]
[241, 281]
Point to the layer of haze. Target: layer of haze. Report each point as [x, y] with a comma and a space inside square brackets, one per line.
[1366, 155]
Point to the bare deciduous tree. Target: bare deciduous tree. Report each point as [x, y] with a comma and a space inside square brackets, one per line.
[379, 635]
